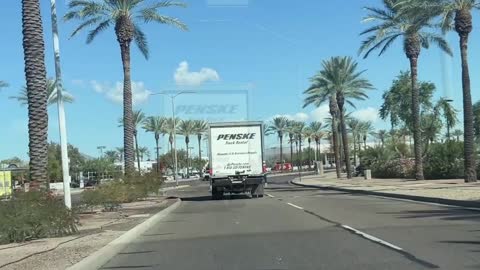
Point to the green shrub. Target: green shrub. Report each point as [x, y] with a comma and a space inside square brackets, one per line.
[32, 215]
[111, 194]
[444, 161]
[397, 168]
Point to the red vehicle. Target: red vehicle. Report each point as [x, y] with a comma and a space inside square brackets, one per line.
[286, 167]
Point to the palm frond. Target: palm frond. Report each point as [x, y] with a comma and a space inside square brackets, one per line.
[100, 27]
[141, 41]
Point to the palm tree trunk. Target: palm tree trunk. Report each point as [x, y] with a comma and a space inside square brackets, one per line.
[186, 143]
[309, 154]
[199, 137]
[137, 150]
[291, 152]
[346, 150]
[336, 150]
[35, 76]
[417, 136]
[281, 153]
[354, 151]
[468, 141]
[128, 128]
[158, 154]
[300, 158]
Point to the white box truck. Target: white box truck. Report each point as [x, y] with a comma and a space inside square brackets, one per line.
[236, 159]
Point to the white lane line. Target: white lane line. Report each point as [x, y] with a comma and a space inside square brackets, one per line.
[296, 206]
[372, 238]
[271, 196]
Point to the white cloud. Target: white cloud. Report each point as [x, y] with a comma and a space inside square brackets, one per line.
[183, 76]
[302, 117]
[320, 113]
[140, 94]
[367, 114]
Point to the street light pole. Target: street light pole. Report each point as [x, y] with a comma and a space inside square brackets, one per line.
[61, 108]
[172, 97]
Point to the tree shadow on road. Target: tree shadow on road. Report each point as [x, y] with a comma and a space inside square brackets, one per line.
[209, 198]
[444, 214]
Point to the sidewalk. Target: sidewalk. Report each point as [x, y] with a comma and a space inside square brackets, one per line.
[452, 191]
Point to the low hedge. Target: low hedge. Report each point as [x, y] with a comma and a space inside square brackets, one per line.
[33, 215]
[111, 194]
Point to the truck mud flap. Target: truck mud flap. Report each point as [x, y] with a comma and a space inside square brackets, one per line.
[257, 191]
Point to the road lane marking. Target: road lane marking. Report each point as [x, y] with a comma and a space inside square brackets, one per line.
[372, 238]
[296, 206]
[271, 196]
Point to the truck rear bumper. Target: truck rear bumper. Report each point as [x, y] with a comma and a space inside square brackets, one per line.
[232, 186]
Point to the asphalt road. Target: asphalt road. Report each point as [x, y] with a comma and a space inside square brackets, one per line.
[302, 228]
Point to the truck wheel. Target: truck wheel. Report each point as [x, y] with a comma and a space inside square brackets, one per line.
[216, 194]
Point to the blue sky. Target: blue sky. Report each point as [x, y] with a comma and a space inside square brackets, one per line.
[268, 48]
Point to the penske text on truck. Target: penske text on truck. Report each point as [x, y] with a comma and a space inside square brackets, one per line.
[236, 158]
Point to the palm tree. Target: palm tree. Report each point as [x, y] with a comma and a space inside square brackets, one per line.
[171, 129]
[144, 152]
[381, 135]
[291, 135]
[354, 127]
[51, 93]
[36, 78]
[156, 125]
[457, 133]
[299, 129]
[137, 120]
[125, 16]
[394, 24]
[366, 128]
[444, 106]
[318, 133]
[456, 14]
[308, 134]
[187, 129]
[339, 81]
[279, 125]
[3, 84]
[111, 155]
[119, 151]
[201, 128]
[476, 118]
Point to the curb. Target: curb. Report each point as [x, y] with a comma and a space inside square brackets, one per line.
[448, 202]
[174, 188]
[102, 256]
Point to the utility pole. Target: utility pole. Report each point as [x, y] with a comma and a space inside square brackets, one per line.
[61, 108]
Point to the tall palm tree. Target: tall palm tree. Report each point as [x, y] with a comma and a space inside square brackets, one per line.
[339, 81]
[125, 16]
[444, 106]
[279, 125]
[457, 15]
[138, 119]
[318, 133]
[201, 128]
[354, 127]
[394, 24]
[186, 128]
[155, 125]
[299, 129]
[308, 134]
[51, 93]
[291, 136]
[36, 78]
